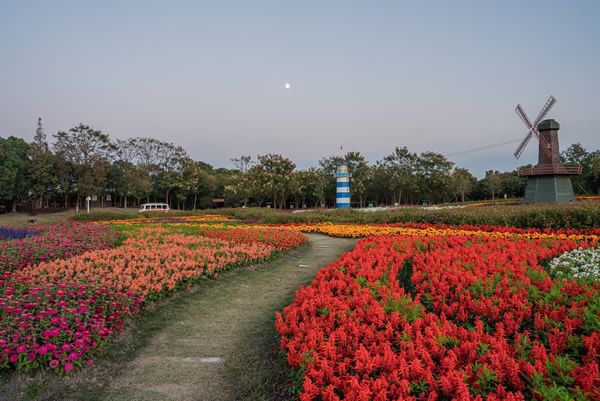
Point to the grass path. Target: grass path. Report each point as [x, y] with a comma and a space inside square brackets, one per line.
[216, 343]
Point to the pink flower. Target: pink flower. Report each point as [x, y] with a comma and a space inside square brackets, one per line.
[68, 367]
[90, 362]
[53, 363]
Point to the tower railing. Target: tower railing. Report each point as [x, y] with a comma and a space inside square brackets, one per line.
[551, 169]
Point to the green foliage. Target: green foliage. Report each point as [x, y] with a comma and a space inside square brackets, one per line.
[579, 215]
[14, 168]
[418, 388]
[405, 306]
[485, 382]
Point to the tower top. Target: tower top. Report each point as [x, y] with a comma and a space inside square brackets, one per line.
[548, 125]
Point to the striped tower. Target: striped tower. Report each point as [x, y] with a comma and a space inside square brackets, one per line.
[342, 190]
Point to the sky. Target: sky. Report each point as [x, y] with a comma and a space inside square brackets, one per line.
[366, 75]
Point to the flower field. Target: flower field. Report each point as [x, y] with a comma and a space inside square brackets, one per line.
[66, 291]
[440, 313]
[53, 242]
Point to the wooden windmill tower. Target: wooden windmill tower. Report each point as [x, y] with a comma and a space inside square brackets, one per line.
[549, 180]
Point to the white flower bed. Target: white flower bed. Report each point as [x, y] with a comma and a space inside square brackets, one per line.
[580, 263]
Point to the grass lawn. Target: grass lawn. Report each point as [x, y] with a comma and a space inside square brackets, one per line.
[22, 219]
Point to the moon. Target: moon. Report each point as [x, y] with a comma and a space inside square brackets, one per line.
[287, 85]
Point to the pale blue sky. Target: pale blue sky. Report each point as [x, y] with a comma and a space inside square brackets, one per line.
[443, 76]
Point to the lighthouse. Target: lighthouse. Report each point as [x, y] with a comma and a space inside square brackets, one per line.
[342, 187]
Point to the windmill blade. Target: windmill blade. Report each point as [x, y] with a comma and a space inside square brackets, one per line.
[523, 144]
[545, 110]
[523, 116]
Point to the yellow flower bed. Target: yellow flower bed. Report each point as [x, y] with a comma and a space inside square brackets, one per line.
[161, 219]
[365, 230]
[208, 217]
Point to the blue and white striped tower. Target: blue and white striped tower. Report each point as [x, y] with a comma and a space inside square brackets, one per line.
[342, 187]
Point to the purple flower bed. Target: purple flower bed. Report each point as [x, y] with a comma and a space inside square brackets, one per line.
[7, 233]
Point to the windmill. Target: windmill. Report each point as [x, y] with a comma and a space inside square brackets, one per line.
[549, 180]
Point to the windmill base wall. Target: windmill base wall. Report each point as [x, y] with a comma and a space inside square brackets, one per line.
[549, 189]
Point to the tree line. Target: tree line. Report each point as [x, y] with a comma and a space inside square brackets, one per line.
[84, 162]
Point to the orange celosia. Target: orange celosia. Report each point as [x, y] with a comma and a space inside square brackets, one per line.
[150, 262]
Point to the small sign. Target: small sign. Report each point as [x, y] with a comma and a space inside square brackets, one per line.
[108, 198]
[88, 198]
[94, 198]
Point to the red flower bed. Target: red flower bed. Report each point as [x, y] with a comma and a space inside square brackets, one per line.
[437, 318]
[57, 241]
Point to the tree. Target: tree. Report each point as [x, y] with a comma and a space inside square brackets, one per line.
[591, 171]
[243, 163]
[314, 185]
[462, 182]
[126, 179]
[433, 171]
[156, 156]
[512, 185]
[86, 152]
[14, 165]
[400, 168]
[274, 173]
[493, 182]
[198, 181]
[574, 154]
[163, 161]
[43, 166]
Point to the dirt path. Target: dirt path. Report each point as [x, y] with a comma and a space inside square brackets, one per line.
[217, 343]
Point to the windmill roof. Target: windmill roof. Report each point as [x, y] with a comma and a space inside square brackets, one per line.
[548, 125]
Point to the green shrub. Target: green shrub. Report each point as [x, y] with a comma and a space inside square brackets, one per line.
[579, 215]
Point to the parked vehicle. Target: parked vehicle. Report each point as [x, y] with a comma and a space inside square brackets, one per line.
[154, 207]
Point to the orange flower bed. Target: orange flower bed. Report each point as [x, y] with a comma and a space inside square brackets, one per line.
[280, 239]
[150, 263]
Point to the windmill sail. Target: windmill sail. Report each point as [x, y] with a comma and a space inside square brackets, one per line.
[523, 145]
[533, 128]
[545, 110]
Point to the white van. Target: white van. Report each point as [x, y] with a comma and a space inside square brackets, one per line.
[154, 207]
